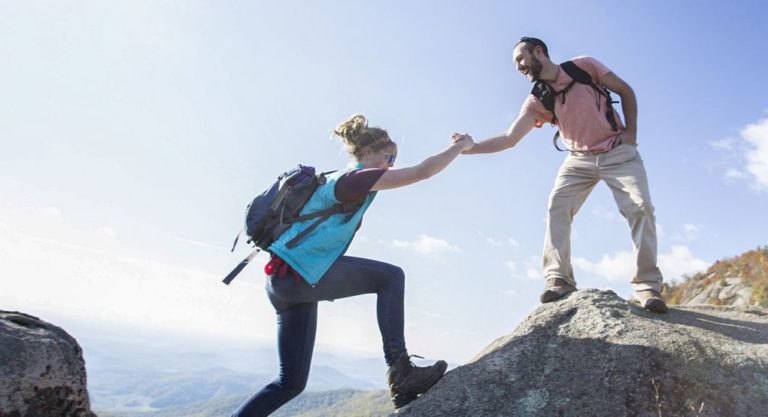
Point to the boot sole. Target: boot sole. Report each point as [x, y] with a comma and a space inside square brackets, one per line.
[651, 305]
[551, 295]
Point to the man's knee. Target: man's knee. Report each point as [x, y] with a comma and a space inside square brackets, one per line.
[637, 209]
[560, 208]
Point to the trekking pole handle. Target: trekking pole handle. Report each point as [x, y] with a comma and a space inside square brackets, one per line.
[240, 267]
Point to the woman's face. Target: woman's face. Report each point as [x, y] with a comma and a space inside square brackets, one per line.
[385, 158]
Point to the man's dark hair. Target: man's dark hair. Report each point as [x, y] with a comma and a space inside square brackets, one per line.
[531, 43]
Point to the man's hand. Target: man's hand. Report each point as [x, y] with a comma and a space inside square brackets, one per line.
[628, 138]
[464, 139]
[469, 143]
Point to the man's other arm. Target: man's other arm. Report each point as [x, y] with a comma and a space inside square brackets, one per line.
[628, 105]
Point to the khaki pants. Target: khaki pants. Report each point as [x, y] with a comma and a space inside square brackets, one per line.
[623, 170]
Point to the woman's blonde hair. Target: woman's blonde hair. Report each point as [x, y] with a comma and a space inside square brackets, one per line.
[360, 138]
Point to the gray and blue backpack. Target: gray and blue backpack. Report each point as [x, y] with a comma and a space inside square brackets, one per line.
[273, 211]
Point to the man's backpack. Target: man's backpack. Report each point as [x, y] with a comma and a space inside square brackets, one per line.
[272, 212]
[546, 94]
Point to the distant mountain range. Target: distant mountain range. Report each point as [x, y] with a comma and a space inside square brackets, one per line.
[347, 403]
[135, 378]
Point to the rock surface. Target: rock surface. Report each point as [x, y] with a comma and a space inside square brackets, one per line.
[42, 373]
[593, 354]
[727, 291]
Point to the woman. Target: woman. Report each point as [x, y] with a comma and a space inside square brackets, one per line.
[317, 270]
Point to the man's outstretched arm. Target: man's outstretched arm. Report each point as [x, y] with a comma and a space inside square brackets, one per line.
[520, 127]
[628, 105]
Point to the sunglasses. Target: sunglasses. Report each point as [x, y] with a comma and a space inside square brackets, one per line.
[390, 158]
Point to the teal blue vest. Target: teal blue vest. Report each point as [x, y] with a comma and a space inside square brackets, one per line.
[319, 250]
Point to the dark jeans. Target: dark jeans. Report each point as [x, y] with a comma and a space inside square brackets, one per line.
[296, 304]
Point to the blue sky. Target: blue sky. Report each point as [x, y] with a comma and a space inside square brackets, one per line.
[133, 134]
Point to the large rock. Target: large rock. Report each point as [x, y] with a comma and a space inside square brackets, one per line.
[42, 373]
[726, 291]
[593, 355]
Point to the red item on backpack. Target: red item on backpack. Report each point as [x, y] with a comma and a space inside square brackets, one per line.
[277, 266]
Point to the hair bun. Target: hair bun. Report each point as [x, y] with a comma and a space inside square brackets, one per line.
[358, 137]
[351, 128]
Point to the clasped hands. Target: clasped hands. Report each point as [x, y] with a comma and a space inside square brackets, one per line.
[464, 139]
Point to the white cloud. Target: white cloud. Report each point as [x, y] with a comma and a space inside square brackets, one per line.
[679, 261]
[757, 157]
[621, 265]
[533, 273]
[726, 144]
[614, 267]
[530, 269]
[427, 245]
[499, 242]
[603, 213]
[691, 231]
[533, 268]
[735, 174]
[494, 242]
[688, 234]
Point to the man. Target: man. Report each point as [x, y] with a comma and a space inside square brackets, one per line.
[601, 148]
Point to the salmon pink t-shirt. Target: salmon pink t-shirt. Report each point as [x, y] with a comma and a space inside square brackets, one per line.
[581, 119]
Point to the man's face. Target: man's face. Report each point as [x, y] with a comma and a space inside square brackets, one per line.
[527, 63]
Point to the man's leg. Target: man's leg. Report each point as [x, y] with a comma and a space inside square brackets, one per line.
[575, 180]
[624, 172]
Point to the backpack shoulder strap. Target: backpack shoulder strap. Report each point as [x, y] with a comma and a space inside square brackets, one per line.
[578, 74]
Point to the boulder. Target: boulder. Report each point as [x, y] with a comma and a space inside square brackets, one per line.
[42, 373]
[593, 354]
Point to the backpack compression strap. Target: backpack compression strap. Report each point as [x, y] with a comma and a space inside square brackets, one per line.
[324, 215]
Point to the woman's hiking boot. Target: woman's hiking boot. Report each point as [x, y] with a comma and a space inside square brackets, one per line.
[556, 289]
[407, 381]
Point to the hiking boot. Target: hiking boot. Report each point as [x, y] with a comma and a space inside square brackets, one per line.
[557, 288]
[407, 381]
[650, 300]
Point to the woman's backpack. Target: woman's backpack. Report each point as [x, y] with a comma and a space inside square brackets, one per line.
[273, 211]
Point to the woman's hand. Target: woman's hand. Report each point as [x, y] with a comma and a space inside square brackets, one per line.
[465, 140]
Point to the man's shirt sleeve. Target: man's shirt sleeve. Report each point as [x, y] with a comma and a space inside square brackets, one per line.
[593, 67]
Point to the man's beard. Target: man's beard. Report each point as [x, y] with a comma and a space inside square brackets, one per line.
[536, 68]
